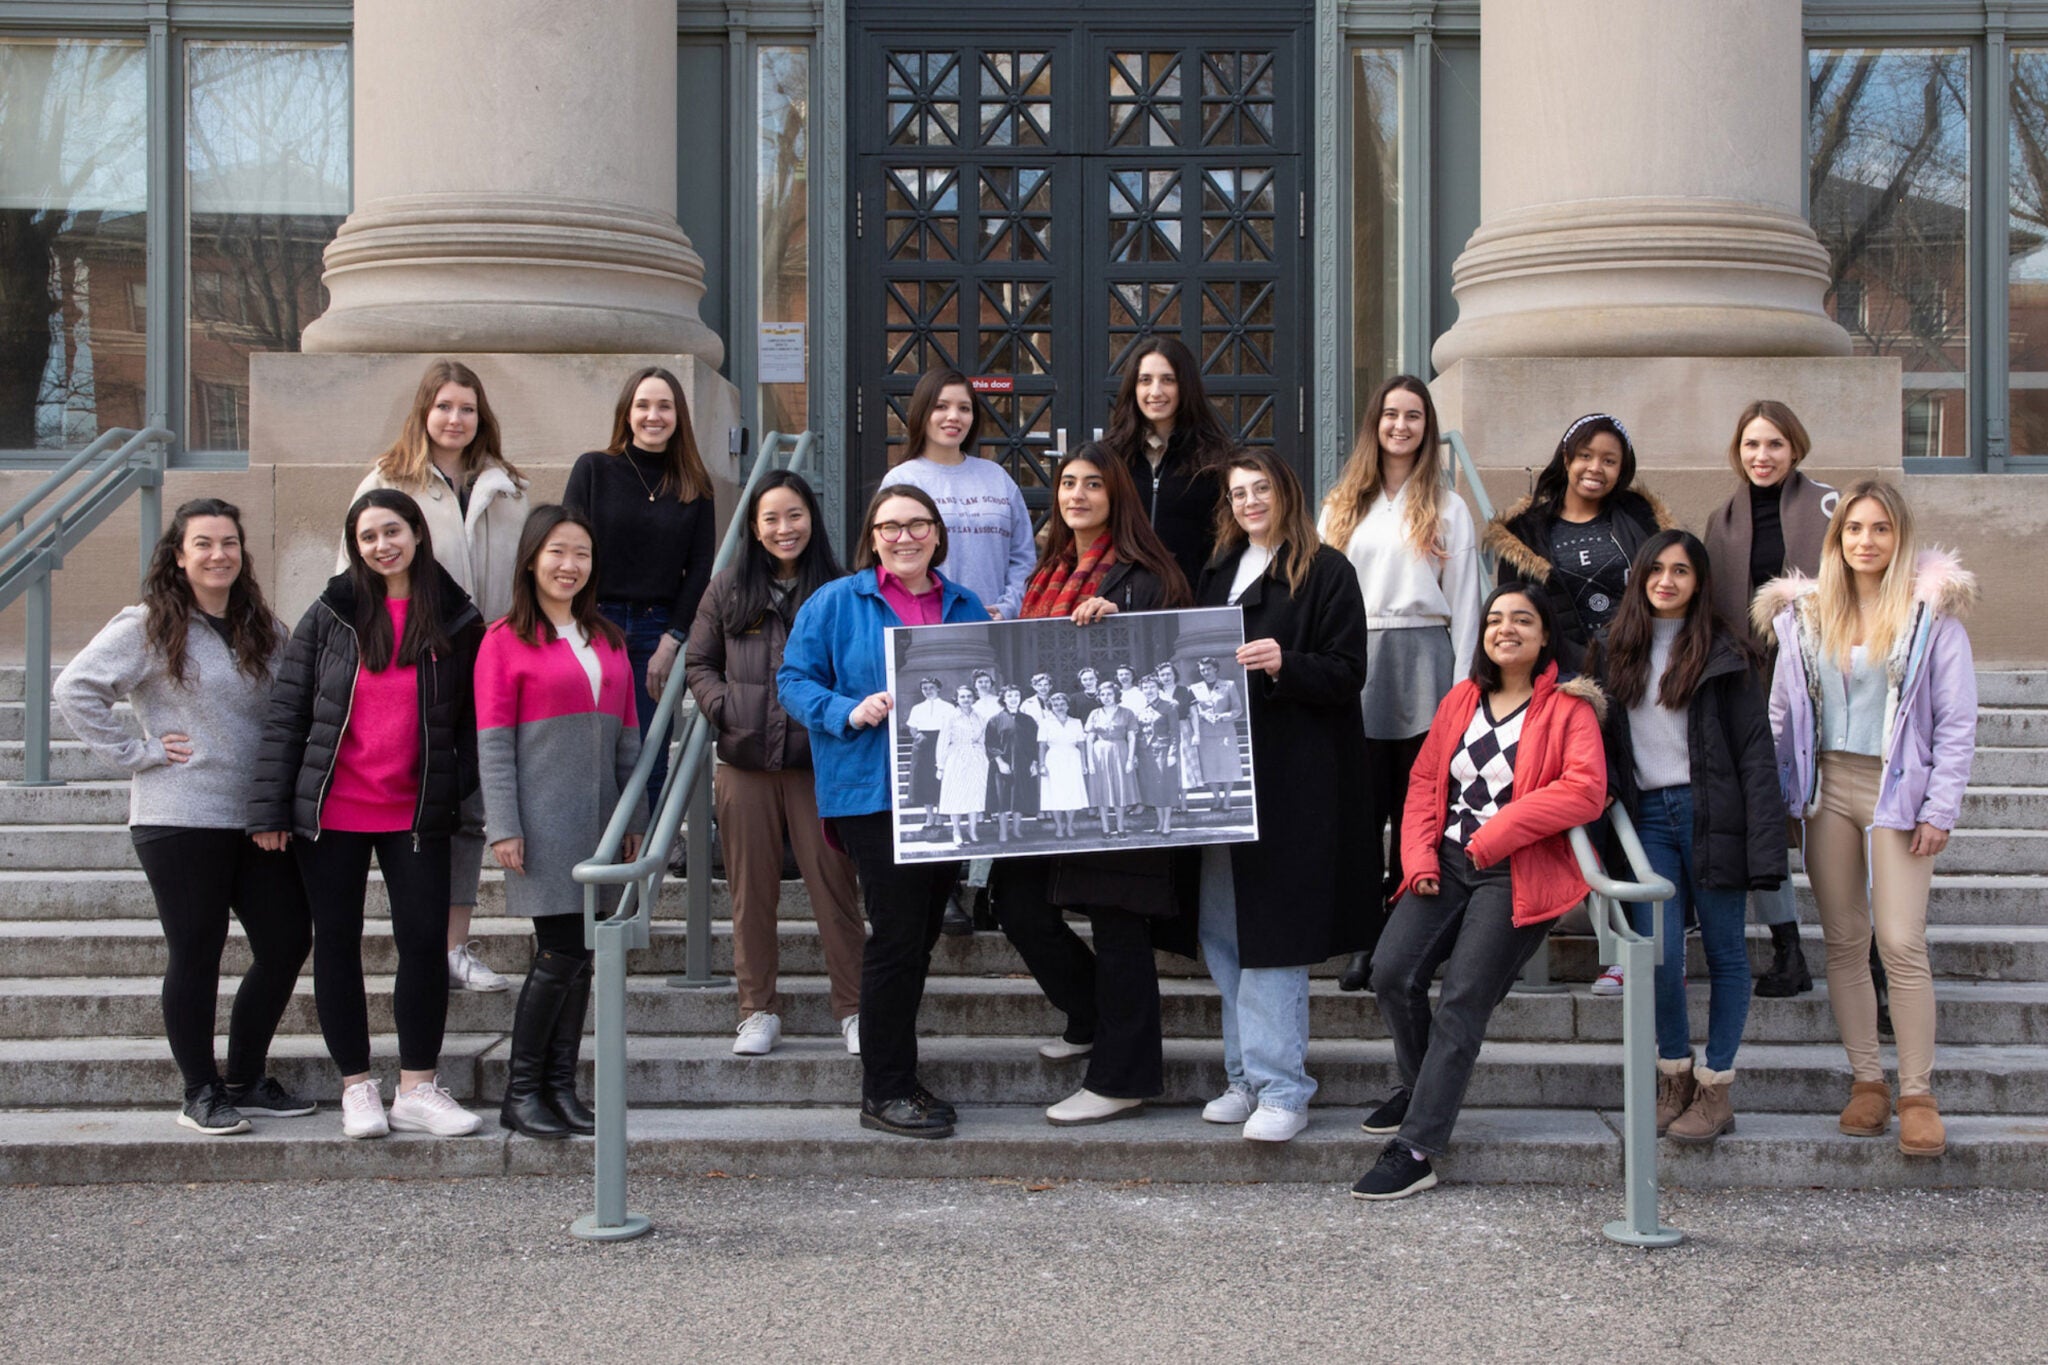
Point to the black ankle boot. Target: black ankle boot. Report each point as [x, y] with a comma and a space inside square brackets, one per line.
[1356, 973]
[525, 1110]
[558, 1085]
[1788, 974]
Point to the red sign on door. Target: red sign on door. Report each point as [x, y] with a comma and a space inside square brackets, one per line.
[993, 383]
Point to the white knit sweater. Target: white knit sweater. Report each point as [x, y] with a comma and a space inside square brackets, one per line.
[1404, 590]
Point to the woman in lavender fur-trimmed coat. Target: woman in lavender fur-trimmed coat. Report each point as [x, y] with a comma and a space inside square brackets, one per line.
[557, 737]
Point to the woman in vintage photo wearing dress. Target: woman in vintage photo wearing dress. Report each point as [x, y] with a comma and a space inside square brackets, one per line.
[1112, 762]
[963, 768]
[925, 720]
[1216, 711]
[1158, 752]
[1011, 742]
[1063, 759]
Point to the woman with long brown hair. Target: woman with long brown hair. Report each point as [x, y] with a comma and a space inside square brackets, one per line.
[196, 660]
[1166, 434]
[1270, 910]
[649, 498]
[987, 523]
[1411, 541]
[1101, 557]
[450, 459]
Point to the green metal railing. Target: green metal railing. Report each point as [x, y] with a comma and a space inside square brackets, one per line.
[1637, 956]
[687, 792]
[83, 492]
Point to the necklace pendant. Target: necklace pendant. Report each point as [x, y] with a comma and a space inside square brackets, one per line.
[650, 497]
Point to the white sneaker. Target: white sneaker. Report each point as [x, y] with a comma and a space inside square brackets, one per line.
[1608, 982]
[362, 1111]
[1269, 1123]
[849, 1029]
[467, 972]
[1085, 1106]
[1234, 1105]
[759, 1033]
[1060, 1050]
[429, 1108]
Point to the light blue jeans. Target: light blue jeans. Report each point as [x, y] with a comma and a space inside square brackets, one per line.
[1265, 1009]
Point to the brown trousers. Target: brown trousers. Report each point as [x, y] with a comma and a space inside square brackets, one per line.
[1888, 887]
[754, 808]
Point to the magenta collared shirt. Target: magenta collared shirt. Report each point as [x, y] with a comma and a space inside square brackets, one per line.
[913, 609]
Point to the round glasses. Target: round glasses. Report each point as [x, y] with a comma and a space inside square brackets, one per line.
[893, 531]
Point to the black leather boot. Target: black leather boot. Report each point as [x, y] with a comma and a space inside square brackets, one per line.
[1356, 973]
[558, 1085]
[1788, 974]
[525, 1110]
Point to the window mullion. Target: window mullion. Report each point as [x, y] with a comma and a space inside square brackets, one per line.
[160, 254]
[1992, 266]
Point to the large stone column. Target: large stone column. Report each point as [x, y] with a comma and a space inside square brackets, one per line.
[1640, 185]
[515, 184]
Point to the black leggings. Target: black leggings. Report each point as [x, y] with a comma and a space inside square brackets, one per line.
[1387, 766]
[197, 877]
[560, 934]
[336, 869]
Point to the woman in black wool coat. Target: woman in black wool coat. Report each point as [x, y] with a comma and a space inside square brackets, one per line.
[1270, 910]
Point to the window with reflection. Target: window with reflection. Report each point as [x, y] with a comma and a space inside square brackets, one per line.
[73, 255]
[2026, 280]
[783, 147]
[1375, 220]
[1888, 184]
[266, 188]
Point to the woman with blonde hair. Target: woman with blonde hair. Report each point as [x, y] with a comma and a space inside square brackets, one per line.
[1411, 541]
[1874, 713]
[1774, 524]
[450, 459]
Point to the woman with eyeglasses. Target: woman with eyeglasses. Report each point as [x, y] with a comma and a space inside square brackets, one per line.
[834, 682]
[1270, 910]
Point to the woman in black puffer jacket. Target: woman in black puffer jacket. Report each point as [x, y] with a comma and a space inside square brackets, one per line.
[369, 748]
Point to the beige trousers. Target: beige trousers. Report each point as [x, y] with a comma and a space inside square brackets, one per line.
[1889, 887]
[754, 808]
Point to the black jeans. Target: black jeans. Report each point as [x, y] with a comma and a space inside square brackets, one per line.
[336, 870]
[1468, 929]
[1387, 765]
[1110, 996]
[198, 876]
[645, 625]
[904, 905]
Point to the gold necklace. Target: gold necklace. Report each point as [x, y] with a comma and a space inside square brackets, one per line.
[641, 478]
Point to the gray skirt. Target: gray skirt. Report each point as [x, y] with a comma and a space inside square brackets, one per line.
[1407, 672]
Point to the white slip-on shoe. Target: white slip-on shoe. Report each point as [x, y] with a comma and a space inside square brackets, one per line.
[1270, 1123]
[759, 1033]
[1608, 982]
[1060, 1050]
[362, 1111]
[467, 972]
[1234, 1105]
[1085, 1106]
[849, 1029]
[429, 1108]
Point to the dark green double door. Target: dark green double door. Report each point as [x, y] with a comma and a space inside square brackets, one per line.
[1030, 202]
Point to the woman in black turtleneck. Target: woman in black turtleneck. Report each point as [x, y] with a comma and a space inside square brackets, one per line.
[1772, 525]
[1166, 433]
[649, 497]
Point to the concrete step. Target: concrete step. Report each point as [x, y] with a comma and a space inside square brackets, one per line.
[38, 1072]
[134, 947]
[1165, 1143]
[2000, 1013]
[70, 761]
[76, 803]
[2008, 807]
[2012, 726]
[14, 721]
[2008, 767]
[2018, 687]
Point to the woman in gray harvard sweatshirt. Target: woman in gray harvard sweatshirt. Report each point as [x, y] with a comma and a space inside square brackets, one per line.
[196, 660]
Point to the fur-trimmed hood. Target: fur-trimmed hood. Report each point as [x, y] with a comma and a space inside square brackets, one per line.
[1940, 582]
[1586, 690]
[1513, 534]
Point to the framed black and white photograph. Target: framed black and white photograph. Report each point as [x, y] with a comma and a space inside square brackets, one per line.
[1026, 737]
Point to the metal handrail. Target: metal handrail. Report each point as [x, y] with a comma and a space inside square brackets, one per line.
[122, 462]
[1637, 956]
[628, 927]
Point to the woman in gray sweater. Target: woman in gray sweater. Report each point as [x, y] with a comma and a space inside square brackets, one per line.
[196, 660]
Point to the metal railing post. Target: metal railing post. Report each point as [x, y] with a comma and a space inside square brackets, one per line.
[697, 889]
[612, 1221]
[35, 689]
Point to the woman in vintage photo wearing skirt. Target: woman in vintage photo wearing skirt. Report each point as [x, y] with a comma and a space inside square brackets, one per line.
[1216, 710]
[1011, 742]
[963, 768]
[1112, 761]
[925, 720]
[1063, 759]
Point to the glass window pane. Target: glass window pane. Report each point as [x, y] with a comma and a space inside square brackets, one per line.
[2027, 260]
[1375, 220]
[1888, 181]
[267, 185]
[74, 136]
[784, 146]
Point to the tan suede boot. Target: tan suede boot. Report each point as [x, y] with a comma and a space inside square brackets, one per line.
[1869, 1111]
[1674, 1090]
[1711, 1113]
[1920, 1128]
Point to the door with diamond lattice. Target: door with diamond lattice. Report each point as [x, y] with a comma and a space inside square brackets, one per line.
[1031, 202]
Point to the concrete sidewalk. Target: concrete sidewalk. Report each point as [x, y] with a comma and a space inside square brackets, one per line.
[819, 1270]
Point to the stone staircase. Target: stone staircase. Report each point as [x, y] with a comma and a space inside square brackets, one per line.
[87, 1083]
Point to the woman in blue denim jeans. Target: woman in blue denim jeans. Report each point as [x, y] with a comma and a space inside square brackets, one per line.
[649, 497]
[1690, 756]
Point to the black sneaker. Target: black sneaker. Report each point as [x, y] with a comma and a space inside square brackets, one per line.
[956, 923]
[267, 1099]
[1396, 1175]
[210, 1113]
[1387, 1118]
[933, 1105]
[904, 1117]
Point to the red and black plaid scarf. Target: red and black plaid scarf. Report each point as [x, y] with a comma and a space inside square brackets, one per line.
[1056, 589]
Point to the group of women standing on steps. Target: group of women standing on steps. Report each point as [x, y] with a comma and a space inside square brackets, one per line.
[475, 672]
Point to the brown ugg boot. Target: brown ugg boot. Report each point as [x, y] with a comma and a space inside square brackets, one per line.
[1674, 1090]
[1869, 1111]
[1711, 1113]
[1920, 1129]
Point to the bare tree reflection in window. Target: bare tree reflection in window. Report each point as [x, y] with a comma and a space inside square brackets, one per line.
[783, 173]
[1375, 220]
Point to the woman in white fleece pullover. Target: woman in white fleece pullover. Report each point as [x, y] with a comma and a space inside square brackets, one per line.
[1411, 541]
